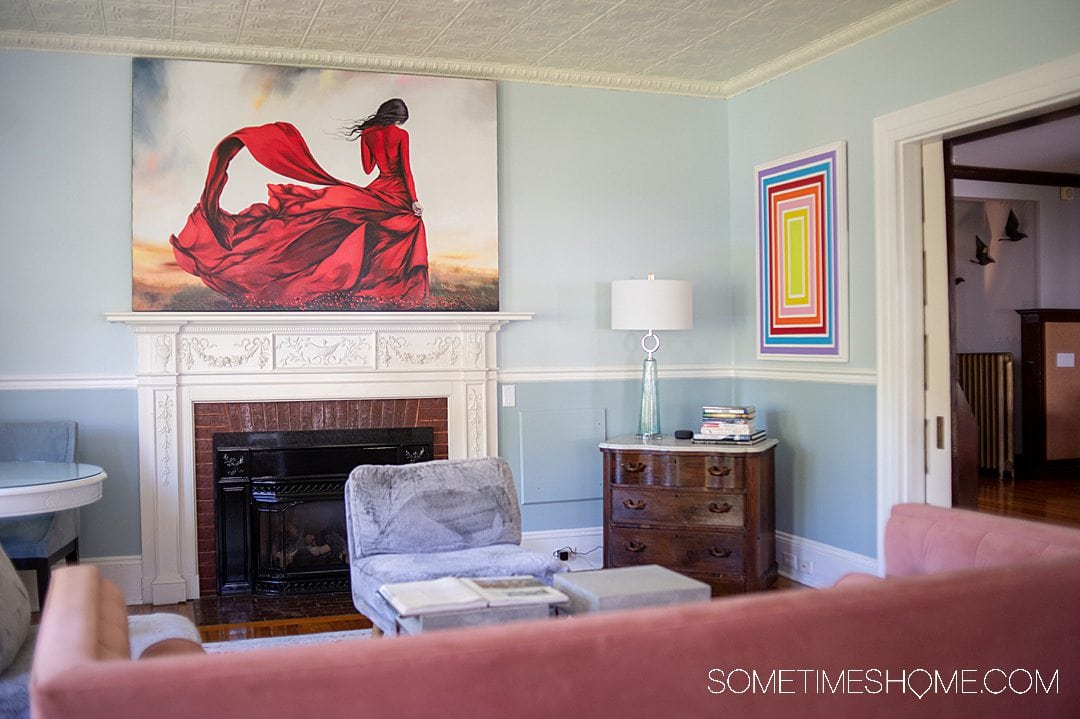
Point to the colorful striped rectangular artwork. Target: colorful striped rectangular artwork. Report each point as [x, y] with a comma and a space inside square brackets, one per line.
[802, 256]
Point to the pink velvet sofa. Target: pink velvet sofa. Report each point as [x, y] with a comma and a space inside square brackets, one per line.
[977, 617]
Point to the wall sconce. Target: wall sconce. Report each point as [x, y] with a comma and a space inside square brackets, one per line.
[650, 305]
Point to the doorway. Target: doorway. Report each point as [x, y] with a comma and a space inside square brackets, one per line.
[898, 139]
[1013, 220]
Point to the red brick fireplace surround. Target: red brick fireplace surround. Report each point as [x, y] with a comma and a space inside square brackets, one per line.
[214, 417]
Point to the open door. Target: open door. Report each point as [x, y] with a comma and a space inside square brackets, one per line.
[937, 389]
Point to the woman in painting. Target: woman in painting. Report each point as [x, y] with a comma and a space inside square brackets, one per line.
[336, 246]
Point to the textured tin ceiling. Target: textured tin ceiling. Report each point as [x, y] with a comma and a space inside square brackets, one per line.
[704, 47]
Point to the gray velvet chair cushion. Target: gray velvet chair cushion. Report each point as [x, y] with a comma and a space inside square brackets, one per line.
[497, 560]
[439, 506]
[14, 612]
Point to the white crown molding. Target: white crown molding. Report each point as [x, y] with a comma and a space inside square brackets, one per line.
[93, 45]
[97, 45]
[830, 44]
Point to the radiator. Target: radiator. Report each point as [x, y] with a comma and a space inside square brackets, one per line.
[987, 381]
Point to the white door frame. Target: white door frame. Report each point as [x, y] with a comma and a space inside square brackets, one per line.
[898, 139]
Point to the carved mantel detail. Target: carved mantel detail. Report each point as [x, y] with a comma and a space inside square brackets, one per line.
[186, 358]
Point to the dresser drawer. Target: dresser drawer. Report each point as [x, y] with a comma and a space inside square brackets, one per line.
[638, 468]
[712, 471]
[710, 552]
[655, 505]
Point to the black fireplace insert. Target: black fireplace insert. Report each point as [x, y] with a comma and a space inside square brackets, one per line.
[279, 503]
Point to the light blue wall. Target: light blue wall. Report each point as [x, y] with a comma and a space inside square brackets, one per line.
[598, 185]
[65, 228]
[551, 436]
[594, 185]
[826, 466]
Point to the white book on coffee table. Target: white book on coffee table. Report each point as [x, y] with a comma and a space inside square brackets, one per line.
[446, 594]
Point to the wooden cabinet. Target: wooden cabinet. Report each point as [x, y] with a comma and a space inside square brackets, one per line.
[1050, 384]
[705, 511]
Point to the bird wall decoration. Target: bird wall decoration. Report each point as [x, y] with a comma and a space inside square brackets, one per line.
[982, 252]
[1012, 229]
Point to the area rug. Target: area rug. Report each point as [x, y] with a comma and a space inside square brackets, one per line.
[289, 641]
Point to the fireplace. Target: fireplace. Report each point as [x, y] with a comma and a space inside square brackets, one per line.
[279, 507]
[289, 360]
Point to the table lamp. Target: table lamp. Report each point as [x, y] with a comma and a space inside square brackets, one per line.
[650, 305]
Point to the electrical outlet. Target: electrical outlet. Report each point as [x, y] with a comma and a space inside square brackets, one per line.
[788, 560]
[806, 566]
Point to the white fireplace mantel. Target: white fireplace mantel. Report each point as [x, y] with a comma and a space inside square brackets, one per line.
[189, 357]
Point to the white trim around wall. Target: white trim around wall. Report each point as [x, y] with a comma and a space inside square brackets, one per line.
[586, 543]
[898, 140]
[818, 565]
[124, 572]
[12, 383]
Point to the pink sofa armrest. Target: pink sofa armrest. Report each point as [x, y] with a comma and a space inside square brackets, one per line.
[856, 578]
[921, 539]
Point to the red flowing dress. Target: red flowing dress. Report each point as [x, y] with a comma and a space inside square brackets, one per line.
[338, 246]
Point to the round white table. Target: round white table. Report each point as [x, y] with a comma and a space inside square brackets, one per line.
[39, 487]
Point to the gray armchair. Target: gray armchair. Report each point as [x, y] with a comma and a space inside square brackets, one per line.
[39, 541]
[433, 519]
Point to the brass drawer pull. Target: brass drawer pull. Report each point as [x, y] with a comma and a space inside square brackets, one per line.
[720, 508]
[631, 504]
[633, 468]
[721, 552]
[719, 471]
[634, 546]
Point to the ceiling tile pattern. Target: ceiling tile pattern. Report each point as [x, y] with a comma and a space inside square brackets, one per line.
[710, 47]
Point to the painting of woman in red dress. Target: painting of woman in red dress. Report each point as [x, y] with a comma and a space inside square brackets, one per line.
[265, 187]
[334, 246]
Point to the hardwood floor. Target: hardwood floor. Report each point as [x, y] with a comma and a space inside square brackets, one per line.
[1046, 495]
[221, 619]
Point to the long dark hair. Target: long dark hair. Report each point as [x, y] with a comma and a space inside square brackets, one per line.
[390, 112]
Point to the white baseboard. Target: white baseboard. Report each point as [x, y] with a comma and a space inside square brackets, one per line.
[586, 545]
[815, 564]
[125, 572]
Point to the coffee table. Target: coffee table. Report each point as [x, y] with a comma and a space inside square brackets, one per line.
[471, 618]
[478, 601]
[604, 590]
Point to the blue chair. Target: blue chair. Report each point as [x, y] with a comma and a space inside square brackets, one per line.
[37, 542]
[411, 522]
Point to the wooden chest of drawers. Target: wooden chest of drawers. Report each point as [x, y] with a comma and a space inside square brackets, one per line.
[704, 511]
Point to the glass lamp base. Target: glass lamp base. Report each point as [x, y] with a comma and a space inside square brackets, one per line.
[649, 421]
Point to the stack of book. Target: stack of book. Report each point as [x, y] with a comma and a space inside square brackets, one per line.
[728, 424]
